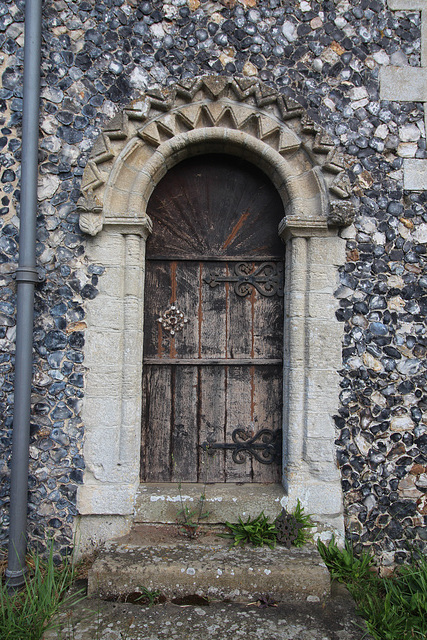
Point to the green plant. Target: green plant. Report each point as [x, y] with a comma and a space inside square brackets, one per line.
[306, 524]
[343, 564]
[257, 531]
[150, 596]
[189, 519]
[26, 614]
[394, 608]
[294, 527]
[398, 610]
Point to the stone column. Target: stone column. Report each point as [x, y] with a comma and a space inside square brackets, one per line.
[133, 316]
[112, 403]
[312, 357]
[294, 355]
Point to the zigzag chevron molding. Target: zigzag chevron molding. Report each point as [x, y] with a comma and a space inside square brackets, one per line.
[215, 107]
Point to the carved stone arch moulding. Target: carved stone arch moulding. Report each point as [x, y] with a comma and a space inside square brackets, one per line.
[206, 115]
[245, 118]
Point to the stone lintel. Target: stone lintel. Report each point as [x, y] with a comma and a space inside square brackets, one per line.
[405, 84]
[415, 174]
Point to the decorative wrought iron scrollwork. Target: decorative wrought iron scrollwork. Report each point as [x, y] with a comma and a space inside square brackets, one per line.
[266, 278]
[173, 320]
[265, 446]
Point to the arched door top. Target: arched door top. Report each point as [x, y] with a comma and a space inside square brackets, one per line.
[213, 326]
[214, 115]
[215, 205]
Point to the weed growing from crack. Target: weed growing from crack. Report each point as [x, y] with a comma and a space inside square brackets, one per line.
[149, 596]
[188, 519]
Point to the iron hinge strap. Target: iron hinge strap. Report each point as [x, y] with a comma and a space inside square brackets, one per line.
[265, 446]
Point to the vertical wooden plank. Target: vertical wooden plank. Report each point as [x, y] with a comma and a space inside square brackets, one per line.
[155, 452]
[238, 398]
[212, 314]
[239, 312]
[187, 300]
[267, 392]
[184, 431]
[157, 295]
[239, 391]
[268, 326]
[213, 334]
[212, 422]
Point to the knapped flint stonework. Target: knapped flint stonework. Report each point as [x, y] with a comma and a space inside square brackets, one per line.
[100, 56]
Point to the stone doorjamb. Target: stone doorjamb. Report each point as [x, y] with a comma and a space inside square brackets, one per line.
[243, 118]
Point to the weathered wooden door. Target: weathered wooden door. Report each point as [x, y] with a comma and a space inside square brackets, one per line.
[213, 343]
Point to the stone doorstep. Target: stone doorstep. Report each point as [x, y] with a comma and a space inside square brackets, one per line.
[161, 502]
[207, 567]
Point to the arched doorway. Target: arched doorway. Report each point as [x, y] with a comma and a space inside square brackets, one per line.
[213, 336]
[134, 152]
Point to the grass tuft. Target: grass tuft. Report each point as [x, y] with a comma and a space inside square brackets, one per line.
[344, 565]
[26, 614]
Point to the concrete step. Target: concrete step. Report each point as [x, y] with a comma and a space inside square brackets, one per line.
[159, 559]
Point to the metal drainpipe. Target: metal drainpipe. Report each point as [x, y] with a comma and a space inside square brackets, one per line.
[26, 277]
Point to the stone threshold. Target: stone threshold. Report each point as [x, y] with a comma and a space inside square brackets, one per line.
[161, 502]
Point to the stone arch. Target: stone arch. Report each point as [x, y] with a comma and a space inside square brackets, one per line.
[239, 116]
[135, 150]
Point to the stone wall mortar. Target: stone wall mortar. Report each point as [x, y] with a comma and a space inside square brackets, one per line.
[97, 57]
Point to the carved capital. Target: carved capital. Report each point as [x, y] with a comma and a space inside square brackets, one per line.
[142, 228]
[298, 228]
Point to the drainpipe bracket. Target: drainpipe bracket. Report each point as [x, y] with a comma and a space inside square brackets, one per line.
[29, 274]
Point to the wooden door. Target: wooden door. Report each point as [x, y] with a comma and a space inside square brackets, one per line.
[213, 343]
